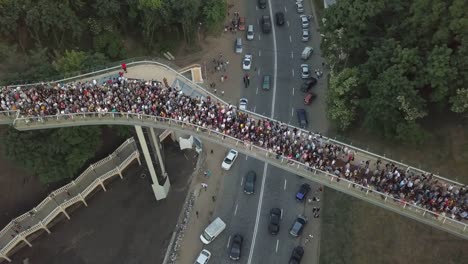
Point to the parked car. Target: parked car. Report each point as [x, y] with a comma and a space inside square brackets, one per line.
[243, 103]
[241, 23]
[297, 226]
[229, 159]
[266, 24]
[279, 18]
[250, 32]
[309, 97]
[302, 118]
[249, 182]
[305, 73]
[296, 255]
[299, 7]
[266, 82]
[308, 84]
[303, 191]
[238, 45]
[262, 4]
[203, 257]
[247, 62]
[306, 53]
[236, 247]
[304, 21]
[275, 217]
[305, 35]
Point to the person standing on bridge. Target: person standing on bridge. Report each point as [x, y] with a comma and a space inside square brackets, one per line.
[124, 67]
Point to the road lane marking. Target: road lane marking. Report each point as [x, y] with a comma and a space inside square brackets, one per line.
[256, 7]
[242, 181]
[293, 91]
[258, 72]
[287, 23]
[277, 243]
[292, 70]
[292, 54]
[258, 21]
[285, 10]
[292, 111]
[255, 108]
[246, 157]
[229, 242]
[256, 91]
[285, 181]
[290, 39]
[259, 53]
[281, 216]
[235, 211]
[259, 37]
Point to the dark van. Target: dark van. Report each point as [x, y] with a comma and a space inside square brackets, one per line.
[302, 118]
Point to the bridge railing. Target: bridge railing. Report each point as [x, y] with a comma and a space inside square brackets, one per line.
[368, 193]
[54, 204]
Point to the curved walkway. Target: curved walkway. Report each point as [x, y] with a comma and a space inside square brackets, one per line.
[41, 216]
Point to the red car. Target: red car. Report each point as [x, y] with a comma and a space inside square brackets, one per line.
[241, 23]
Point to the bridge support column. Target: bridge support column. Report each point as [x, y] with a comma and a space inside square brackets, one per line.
[44, 227]
[5, 257]
[150, 145]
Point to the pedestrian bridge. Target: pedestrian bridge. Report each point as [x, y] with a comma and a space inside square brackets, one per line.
[368, 194]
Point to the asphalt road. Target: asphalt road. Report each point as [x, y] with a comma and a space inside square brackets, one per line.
[240, 210]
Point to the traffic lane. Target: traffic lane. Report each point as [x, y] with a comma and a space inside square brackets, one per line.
[236, 209]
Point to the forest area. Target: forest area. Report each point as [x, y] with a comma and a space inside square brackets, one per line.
[42, 39]
[395, 64]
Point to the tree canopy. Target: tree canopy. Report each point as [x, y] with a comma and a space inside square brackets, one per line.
[394, 62]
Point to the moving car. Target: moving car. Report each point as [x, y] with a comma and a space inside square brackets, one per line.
[243, 103]
[305, 35]
[275, 217]
[266, 24]
[309, 97]
[247, 62]
[307, 52]
[203, 257]
[249, 183]
[238, 45]
[296, 255]
[297, 226]
[262, 4]
[304, 21]
[236, 247]
[266, 82]
[279, 18]
[250, 32]
[302, 118]
[305, 73]
[212, 231]
[299, 7]
[241, 23]
[229, 159]
[307, 85]
[303, 191]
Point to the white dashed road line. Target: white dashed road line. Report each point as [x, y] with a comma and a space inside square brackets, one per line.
[259, 53]
[287, 23]
[256, 91]
[229, 242]
[293, 91]
[277, 243]
[281, 216]
[235, 211]
[259, 37]
[292, 111]
[242, 181]
[292, 71]
[285, 10]
[292, 54]
[285, 181]
[290, 39]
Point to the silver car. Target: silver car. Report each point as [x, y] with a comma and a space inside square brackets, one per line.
[298, 225]
[299, 7]
[305, 35]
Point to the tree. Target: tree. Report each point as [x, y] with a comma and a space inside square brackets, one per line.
[52, 155]
[214, 13]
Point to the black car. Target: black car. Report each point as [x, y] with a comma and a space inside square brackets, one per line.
[296, 255]
[307, 85]
[302, 193]
[236, 247]
[279, 18]
[262, 4]
[249, 185]
[275, 217]
[302, 118]
[266, 24]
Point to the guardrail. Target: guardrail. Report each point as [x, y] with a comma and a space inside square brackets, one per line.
[59, 200]
[368, 194]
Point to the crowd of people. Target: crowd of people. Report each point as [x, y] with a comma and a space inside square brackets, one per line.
[119, 95]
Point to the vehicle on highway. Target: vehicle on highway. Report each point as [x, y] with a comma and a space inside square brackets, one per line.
[309, 97]
[305, 72]
[302, 118]
[238, 45]
[305, 35]
[275, 217]
[296, 255]
[212, 231]
[243, 103]
[241, 23]
[303, 191]
[250, 32]
[266, 24]
[236, 247]
[266, 82]
[279, 18]
[299, 7]
[203, 257]
[249, 182]
[247, 62]
[307, 52]
[308, 84]
[304, 21]
[297, 226]
[229, 159]
[262, 4]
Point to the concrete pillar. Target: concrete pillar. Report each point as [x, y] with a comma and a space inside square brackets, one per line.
[44, 227]
[5, 257]
[157, 146]
[83, 200]
[160, 192]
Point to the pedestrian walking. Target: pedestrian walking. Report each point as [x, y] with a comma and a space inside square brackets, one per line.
[213, 198]
[196, 213]
[124, 67]
[211, 151]
[204, 186]
[222, 92]
[314, 209]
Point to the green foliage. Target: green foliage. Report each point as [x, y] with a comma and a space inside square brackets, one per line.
[341, 101]
[214, 13]
[55, 154]
[70, 62]
[123, 132]
[410, 55]
[110, 44]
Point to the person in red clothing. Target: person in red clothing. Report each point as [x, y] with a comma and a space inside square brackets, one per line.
[124, 67]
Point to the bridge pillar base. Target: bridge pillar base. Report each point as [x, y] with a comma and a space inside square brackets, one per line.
[161, 192]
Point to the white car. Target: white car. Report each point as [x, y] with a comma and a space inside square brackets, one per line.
[204, 257]
[305, 35]
[229, 159]
[247, 62]
[299, 7]
[243, 103]
[305, 73]
[304, 21]
[250, 32]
